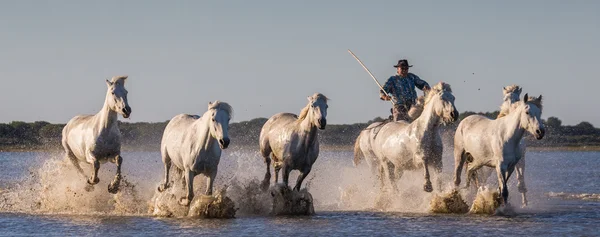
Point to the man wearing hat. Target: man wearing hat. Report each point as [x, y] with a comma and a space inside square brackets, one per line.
[401, 88]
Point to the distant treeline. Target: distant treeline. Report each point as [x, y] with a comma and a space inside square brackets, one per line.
[146, 136]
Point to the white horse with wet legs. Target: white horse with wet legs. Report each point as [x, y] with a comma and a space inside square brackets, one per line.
[416, 145]
[290, 141]
[96, 139]
[481, 141]
[362, 145]
[193, 144]
[511, 94]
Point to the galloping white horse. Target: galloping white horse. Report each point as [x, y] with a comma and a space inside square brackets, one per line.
[511, 94]
[481, 141]
[366, 136]
[96, 139]
[193, 144]
[415, 145]
[291, 140]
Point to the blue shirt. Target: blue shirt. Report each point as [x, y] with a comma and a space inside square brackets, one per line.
[402, 89]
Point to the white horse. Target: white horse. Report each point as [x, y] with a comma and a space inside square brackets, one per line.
[411, 146]
[193, 144]
[481, 141]
[291, 141]
[96, 139]
[366, 136]
[511, 94]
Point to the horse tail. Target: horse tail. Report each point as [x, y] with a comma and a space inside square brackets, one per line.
[358, 155]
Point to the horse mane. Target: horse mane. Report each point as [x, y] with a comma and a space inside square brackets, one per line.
[537, 101]
[506, 108]
[315, 96]
[219, 105]
[441, 86]
[531, 100]
[510, 89]
[503, 112]
[116, 79]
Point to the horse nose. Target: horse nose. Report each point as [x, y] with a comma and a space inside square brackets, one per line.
[454, 114]
[540, 133]
[127, 110]
[224, 142]
[322, 123]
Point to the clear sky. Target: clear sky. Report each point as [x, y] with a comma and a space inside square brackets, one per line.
[265, 57]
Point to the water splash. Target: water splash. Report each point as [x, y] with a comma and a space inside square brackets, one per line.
[487, 201]
[57, 188]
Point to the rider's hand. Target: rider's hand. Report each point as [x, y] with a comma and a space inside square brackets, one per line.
[383, 96]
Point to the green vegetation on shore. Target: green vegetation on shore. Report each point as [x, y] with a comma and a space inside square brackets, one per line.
[143, 136]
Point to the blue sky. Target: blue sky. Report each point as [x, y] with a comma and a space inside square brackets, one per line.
[265, 57]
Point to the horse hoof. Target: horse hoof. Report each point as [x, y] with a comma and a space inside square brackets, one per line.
[113, 188]
[184, 202]
[428, 188]
[95, 181]
[162, 187]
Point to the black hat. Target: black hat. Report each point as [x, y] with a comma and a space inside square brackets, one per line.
[402, 63]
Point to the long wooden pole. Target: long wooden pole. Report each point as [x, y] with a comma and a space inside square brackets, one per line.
[375, 79]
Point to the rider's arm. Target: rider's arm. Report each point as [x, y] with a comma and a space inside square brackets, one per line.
[387, 87]
[421, 84]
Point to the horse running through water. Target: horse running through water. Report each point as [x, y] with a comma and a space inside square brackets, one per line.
[290, 141]
[399, 146]
[96, 139]
[481, 141]
[193, 144]
[511, 94]
[366, 136]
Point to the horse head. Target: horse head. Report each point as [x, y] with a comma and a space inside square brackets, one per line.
[316, 110]
[220, 115]
[511, 93]
[442, 100]
[116, 96]
[531, 116]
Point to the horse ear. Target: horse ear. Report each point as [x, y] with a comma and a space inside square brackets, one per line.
[308, 98]
[108, 83]
[526, 98]
[540, 98]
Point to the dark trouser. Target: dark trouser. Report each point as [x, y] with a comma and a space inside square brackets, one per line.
[400, 112]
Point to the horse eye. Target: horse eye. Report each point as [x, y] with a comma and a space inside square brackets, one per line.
[527, 112]
[213, 119]
[113, 92]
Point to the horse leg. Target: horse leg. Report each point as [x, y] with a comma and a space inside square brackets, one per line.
[386, 174]
[267, 179]
[381, 176]
[189, 180]
[301, 178]
[520, 168]
[94, 178]
[277, 168]
[113, 187]
[167, 162]
[209, 182]
[392, 175]
[70, 156]
[427, 187]
[286, 174]
[502, 177]
[459, 161]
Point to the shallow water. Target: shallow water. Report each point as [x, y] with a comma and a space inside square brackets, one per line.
[563, 194]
